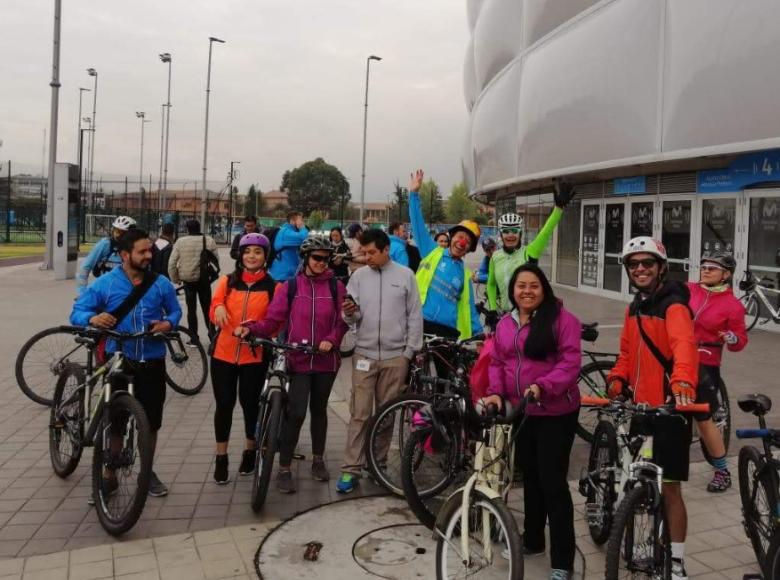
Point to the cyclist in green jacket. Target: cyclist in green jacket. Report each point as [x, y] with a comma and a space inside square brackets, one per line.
[513, 254]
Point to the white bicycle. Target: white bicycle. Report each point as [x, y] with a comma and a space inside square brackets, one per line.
[492, 547]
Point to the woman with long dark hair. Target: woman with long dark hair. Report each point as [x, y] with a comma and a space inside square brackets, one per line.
[537, 349]
[243, 295]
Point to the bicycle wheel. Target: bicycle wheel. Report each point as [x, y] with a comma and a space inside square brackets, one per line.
[121, 464]
[772, 571]
[601, 496]
[347, 346]
[386, 434]
[494, 544]
[592, 382]
[759, 494]
[268, 429]
[42, 358]
[722, 419]
[65, 423]
[426, 475]
[752, 310]
[639, 544]
[186, 369]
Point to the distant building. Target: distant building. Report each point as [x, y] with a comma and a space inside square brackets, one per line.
[29, 186]
[184, 201]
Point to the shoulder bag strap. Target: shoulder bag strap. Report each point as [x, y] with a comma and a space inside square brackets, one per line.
[134, 297]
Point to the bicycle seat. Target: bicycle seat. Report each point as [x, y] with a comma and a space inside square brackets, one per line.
[590, 332]
[757, 404]
[85, 340]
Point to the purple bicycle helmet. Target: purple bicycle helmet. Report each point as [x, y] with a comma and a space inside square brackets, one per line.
[254, 240]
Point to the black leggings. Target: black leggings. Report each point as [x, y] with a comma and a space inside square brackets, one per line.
[195, 292]
[306, 390]
[224, 377]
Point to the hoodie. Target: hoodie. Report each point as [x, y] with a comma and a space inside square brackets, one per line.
[715, 312]
[286, 244]
[398, 251]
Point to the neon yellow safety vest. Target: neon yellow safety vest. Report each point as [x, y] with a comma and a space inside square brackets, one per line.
[425, 274]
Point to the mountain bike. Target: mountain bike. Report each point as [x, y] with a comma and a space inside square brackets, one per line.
[758, 486]
[638, 538]
[592, 379]
[491, 543]
[88, 411]
[44, 356]
[721, 415]
[388, 428]
[756, 301]
[272, 411]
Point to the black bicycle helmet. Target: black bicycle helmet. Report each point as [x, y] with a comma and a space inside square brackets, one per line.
[723, 259]
[316, 242]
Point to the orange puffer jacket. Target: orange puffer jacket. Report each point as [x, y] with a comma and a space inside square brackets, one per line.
[243, 302]
[667, 321]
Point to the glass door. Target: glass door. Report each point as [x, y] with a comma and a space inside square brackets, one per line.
[641, 224]
[676, 236]
[613, 246]
[567, 263]
[763, 253]
[589, 264]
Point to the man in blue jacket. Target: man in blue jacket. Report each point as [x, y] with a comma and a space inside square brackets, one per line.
[104, 255]
[158, 310]
[398, 252]
[443, 280]
[286, 244]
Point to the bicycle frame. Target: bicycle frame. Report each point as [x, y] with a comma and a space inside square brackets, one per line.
[756, 289]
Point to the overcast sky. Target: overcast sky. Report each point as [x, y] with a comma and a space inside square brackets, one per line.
[287, 87]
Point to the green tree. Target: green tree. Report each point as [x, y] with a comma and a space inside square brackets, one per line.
[399, 206]
[431, 201]
[460, 206]
[254, 203]
[315, 219]
[315, 185]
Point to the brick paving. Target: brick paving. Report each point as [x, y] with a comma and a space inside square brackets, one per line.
[41, 515]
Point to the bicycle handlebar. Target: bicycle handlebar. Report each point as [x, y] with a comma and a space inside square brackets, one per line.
[758, 433]
[644, 408]
[93, 331]
[255, 341]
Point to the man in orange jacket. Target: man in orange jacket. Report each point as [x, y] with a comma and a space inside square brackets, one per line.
[660, 309]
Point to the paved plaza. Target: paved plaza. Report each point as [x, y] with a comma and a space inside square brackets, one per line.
[201, 530]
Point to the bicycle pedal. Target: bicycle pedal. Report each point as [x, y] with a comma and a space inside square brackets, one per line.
[299, 456]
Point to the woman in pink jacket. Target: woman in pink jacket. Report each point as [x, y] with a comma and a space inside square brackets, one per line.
[311, 311]
[537, 349]
[718, 319]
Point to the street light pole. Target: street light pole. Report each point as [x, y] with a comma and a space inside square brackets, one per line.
[230, 200]
[204, 202]
[365, 131]
[166, 58]
[93, 73]
[48, 262]
[78, 134]
[162, 141]
[141, 115]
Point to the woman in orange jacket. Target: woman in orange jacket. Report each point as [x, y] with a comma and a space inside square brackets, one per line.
[243, 295]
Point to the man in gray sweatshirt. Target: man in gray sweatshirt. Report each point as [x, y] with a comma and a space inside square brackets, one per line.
[383, 303]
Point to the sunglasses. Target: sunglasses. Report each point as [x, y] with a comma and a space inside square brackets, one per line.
[511, 230]
[320, 259]
[710, 268]
[647, 263]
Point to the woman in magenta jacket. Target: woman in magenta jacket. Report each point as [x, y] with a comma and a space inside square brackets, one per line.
[537, 349]
[718, 318]
[313, 317]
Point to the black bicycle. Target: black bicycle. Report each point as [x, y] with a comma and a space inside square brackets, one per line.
[88, 411]
[592, 379]
[273, 410]
[44, 356]
[758, 486]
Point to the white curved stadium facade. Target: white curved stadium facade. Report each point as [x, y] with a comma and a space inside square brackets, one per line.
[664, 112]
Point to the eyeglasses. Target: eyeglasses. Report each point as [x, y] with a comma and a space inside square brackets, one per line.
[511, 231]
[318, 258]
[710, 268]
[647, 263]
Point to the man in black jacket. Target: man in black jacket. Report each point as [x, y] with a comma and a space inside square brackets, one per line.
[250, 227]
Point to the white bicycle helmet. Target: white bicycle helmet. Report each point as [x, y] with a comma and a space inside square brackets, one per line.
[510, 220]
[644, 245]
[123, 223]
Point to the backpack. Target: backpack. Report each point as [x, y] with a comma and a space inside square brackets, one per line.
[209, 264]
[160, 259]
[292, 289]
[106, 265]
[414, 257]
[270, 233]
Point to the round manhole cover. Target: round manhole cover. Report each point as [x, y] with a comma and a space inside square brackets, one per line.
[395, 546]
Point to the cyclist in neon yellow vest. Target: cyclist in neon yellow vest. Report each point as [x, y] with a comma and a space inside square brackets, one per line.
[513, 254]
[442, 278]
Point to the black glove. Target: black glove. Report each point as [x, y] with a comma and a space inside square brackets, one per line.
[564, 192]
[491, 319]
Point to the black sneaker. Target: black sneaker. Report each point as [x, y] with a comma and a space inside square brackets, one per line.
[247, 466]
[284, 482]
[319, 471]
[221, 476]
[156, 487]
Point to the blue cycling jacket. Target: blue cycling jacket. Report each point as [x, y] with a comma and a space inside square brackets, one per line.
[288, 240]
[482, 273]
[101, 252]
[109, 291]
[398, 251]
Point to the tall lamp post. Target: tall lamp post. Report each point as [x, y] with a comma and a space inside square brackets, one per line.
[166, 58]
[90, 186]
[48, 262]
[365, 131]
[230, 201]
[141, 115]
[204, 202]
[78, 134]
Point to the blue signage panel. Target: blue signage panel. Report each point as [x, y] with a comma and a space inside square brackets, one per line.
[628, 185]
[744, 171]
